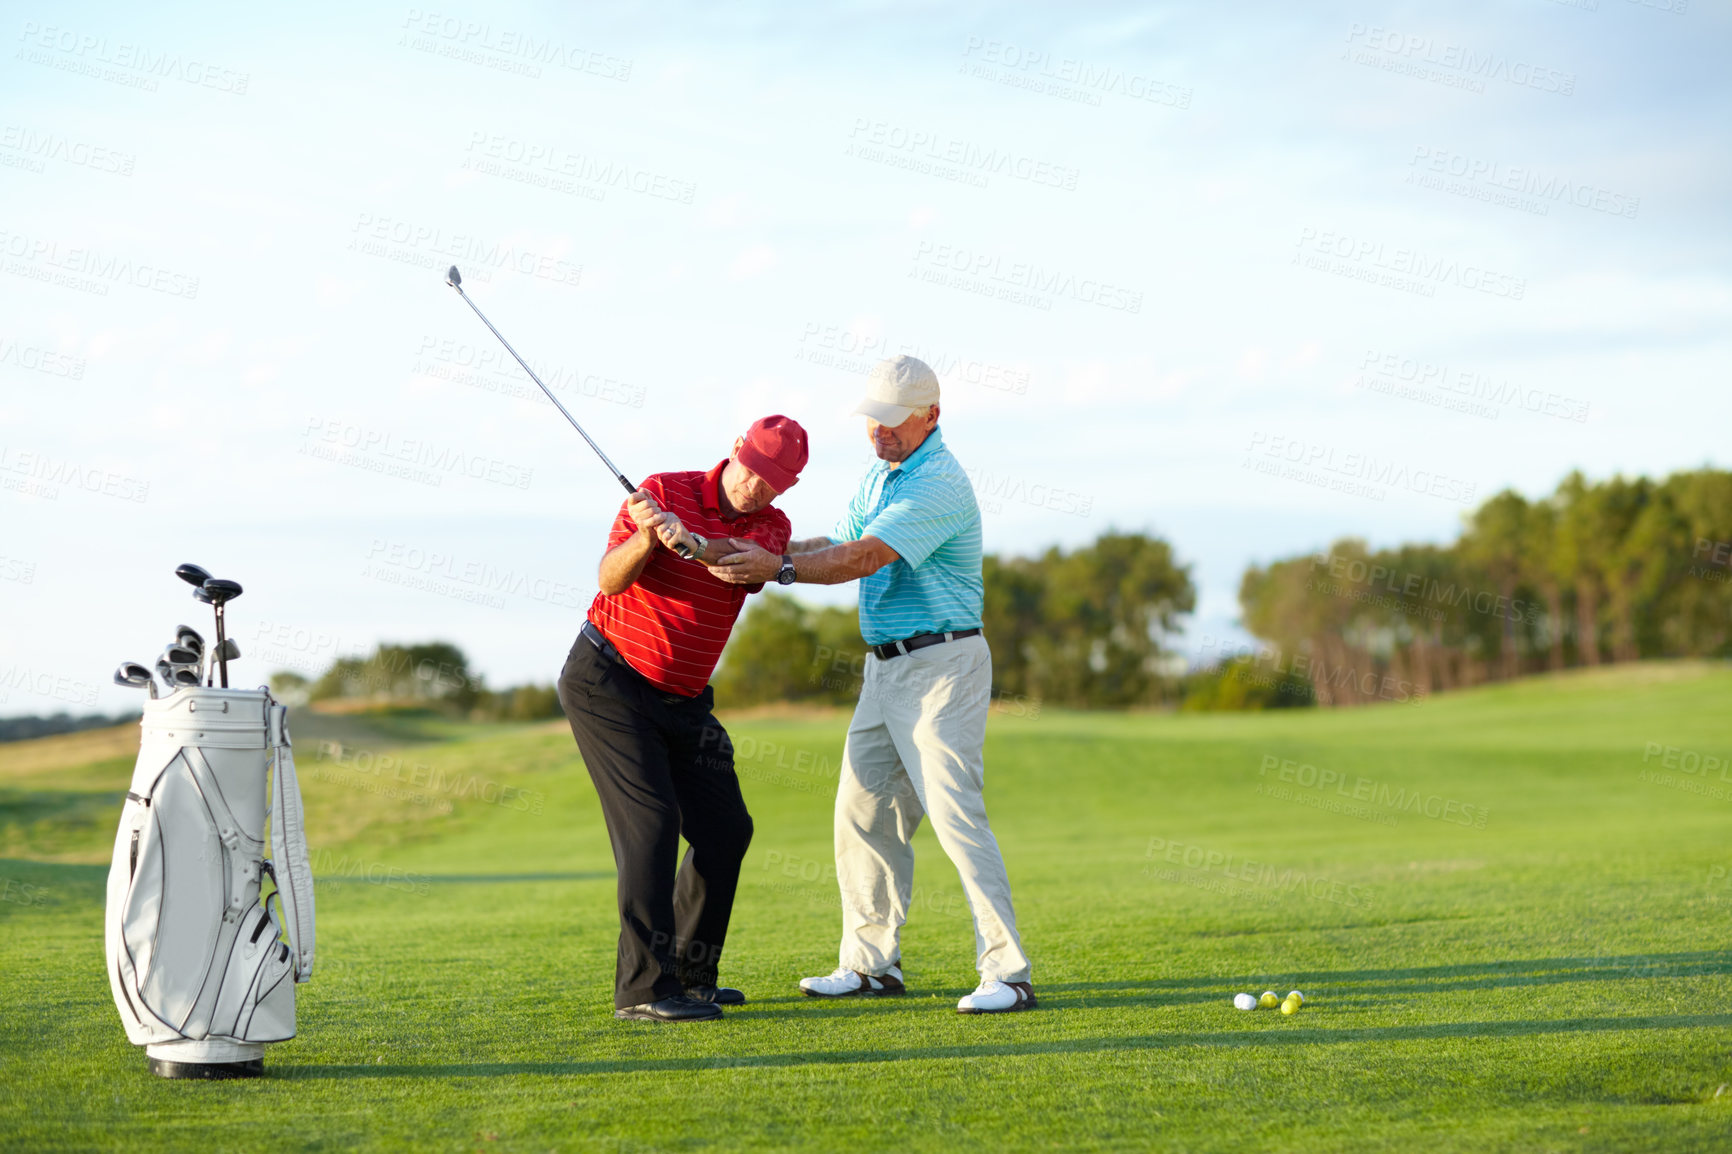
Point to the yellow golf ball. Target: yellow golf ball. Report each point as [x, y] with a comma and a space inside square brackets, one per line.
[1269, 1000]
[1290, 1006]
[1296, 996]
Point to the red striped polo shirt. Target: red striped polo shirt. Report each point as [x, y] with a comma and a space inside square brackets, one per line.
[672, 622]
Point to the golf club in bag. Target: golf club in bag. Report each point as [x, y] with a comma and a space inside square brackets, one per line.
[203, 972]
[455, 280]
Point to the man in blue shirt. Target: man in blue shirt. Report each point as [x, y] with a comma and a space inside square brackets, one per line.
[911, 537]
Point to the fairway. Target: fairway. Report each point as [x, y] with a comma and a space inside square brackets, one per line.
[1509, 909]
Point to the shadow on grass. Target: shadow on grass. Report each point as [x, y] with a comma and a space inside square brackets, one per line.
[26, 884]
[59, 873]
[56, 819]
[1415, 979]
[482, 879]
[1221, 1040]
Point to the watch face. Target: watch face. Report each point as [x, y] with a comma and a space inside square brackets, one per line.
[785, 575]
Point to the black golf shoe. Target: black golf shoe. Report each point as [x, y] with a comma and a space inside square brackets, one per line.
[720, 995]
[679, 1008]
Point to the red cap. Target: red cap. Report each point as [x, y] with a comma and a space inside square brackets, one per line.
[775, 450]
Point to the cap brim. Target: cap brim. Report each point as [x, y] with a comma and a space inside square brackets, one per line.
[884, 412]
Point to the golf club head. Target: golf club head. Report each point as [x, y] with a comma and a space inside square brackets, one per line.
[453, 277]
[180, 655]
[229, 650]
[200, 595]
[219, 590]
[175, 676]
[136, 676]
[192, 574]
[189, 637]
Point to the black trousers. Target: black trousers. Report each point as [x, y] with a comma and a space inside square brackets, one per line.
[663, 767]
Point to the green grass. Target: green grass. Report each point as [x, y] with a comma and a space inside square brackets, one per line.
[1557, 980]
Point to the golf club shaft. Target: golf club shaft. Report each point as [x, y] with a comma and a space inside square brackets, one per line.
[612, 468]
[221, 660]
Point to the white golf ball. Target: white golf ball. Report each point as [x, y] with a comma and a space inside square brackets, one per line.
[1244, 1001]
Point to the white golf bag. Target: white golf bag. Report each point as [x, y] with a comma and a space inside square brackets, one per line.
[203, 973]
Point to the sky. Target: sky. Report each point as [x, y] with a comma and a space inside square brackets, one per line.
[1244, 277]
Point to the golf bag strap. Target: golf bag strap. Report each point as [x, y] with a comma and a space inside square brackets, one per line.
[290, 862]
[240, 843]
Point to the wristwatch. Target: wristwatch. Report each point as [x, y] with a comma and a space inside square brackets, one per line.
[702, 543]
[785, 575]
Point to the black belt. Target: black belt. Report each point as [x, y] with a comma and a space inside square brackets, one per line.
[596, 638]
[919, 641]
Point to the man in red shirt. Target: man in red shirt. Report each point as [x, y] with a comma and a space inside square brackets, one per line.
[636, 691]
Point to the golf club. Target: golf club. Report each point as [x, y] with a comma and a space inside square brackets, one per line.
[219, 591]
[192, 574]
[196, 576]
[455, 280]
[179, 657]
[175, 676]
[189, 637]
[131, 673]
[200, 595]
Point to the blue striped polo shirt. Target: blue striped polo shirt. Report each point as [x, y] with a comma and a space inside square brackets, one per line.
[925, 510]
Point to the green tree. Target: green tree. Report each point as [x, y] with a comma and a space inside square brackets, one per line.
[435, 673]
[1012, 619]
[1496, 540]
[1580, 532]
[1542, 569]
[773, 655]
[1107, 610]
[1622, 556]
[1698, 597]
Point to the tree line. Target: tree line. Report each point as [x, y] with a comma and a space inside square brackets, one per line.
[434, 675]
[1597, 572]
[1085, 628]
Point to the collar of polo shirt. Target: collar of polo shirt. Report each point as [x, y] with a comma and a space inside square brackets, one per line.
[709, 491]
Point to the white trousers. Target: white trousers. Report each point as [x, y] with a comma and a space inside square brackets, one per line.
[914, 750]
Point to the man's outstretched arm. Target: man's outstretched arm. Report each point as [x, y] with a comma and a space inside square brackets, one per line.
[827, 564]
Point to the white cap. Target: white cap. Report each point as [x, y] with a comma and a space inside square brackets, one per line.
[897, 388]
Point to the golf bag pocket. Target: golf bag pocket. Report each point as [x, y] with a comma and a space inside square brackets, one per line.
[257, 1002]
[192, 952]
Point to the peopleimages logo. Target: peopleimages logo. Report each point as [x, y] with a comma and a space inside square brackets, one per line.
[1363, 259]
[1359, 473]
[1397, 799]
[1255, 876]
[1018, 281]
[89, 269]
[134, 65]
[40, 360]
[405, 242]
[1426, 57]
[1545, 187]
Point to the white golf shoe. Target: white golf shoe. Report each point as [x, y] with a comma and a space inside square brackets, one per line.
[846, 983]
[996, 997]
